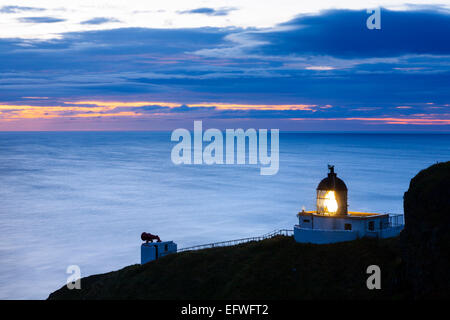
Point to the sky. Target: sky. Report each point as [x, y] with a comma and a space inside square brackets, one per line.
[160, 65]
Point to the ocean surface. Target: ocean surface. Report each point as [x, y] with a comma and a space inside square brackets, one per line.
[84, 198]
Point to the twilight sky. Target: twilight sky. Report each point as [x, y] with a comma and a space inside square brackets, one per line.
[293, 65]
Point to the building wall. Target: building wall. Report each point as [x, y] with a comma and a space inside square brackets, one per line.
[318, 236]
[325, 229]
[171, 248]
[331, 223]
[358, 224]
[149, 252]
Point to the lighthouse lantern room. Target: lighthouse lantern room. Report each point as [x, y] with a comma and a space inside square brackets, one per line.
[332, 222]
[332, 195]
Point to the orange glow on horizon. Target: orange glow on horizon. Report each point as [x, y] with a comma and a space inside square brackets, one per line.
[217, 105]
[96, 108]
[17, 112]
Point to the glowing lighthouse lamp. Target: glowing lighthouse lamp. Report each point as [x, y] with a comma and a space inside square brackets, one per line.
[332, 222]
[329, 202]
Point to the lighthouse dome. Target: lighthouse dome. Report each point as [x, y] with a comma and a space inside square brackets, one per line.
[332, 182]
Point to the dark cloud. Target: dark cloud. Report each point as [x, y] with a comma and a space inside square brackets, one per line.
[40, 20]
[17, 9]
[99, 20]
[328, 58]
[343, 33]
[209, 11]
[93, 50]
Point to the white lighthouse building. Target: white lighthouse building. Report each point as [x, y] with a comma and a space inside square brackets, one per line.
[332, 222]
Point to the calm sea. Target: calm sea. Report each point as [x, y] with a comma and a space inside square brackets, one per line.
[84, 198]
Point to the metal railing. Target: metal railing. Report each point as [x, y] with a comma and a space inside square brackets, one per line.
[280, 232]
[396, 219]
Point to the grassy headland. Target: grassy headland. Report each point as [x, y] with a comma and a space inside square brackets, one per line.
[277, 268]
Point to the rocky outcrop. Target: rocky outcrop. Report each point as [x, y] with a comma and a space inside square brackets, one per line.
[425, 240]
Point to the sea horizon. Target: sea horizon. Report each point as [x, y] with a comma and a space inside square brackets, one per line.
[244, 128]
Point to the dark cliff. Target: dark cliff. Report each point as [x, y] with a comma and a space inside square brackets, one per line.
[425, 241]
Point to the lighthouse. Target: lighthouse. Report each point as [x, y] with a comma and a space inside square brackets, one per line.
[331, 222]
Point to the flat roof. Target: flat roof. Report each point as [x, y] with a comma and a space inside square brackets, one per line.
[351, 214]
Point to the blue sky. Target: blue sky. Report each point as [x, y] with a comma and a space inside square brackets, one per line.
[315, 69]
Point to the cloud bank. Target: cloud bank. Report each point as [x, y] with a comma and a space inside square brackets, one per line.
[325, 67]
